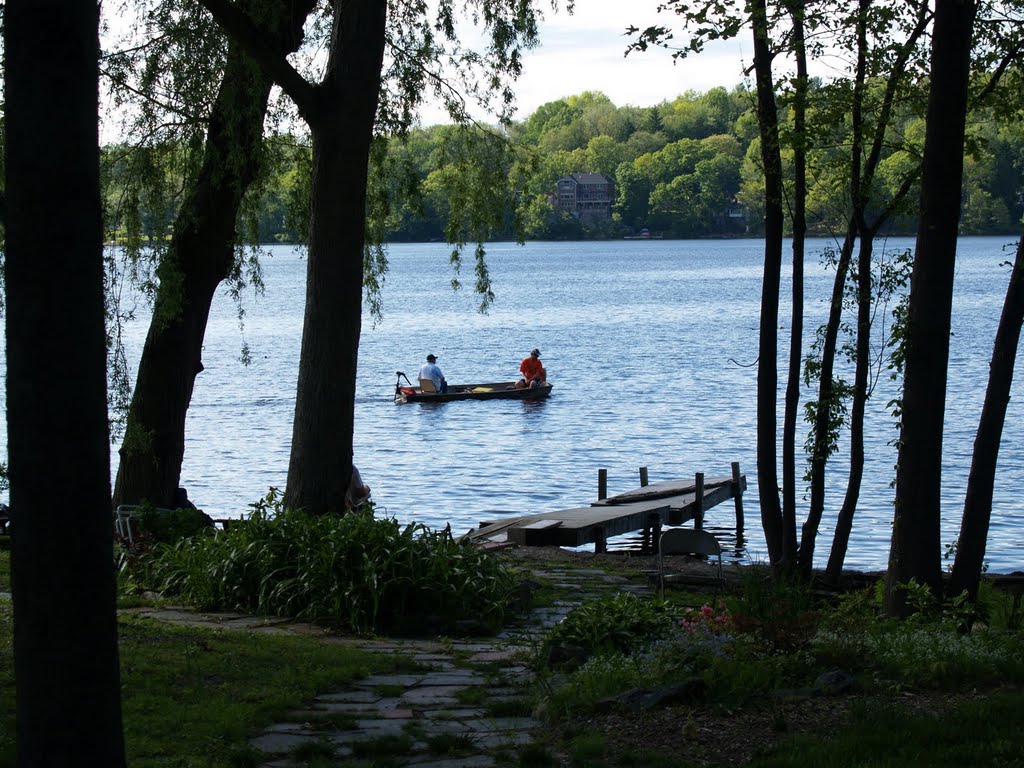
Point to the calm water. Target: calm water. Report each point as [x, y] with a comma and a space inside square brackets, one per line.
[649, 346]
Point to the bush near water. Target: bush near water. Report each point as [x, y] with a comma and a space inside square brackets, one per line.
[357, 572]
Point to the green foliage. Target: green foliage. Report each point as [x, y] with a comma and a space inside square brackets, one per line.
[927, 608]
[167, 526]
[356, 571]
[932, 647]
[614, 624]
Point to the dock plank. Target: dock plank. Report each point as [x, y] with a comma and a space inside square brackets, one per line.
[668, 503]
[662, 490]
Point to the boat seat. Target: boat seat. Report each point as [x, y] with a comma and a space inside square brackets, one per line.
[427, 385]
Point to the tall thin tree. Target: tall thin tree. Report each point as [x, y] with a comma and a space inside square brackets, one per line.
[768, 341]
[970, 552]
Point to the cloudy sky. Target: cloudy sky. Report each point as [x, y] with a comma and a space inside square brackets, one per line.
[584, 52]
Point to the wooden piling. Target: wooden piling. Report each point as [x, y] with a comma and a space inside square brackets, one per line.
[600, 541]
[737, 490]
[602, 484]
[643, 477]
[698, 512]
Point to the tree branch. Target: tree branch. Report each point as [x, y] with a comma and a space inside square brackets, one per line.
[237, 25]
[1009, 58]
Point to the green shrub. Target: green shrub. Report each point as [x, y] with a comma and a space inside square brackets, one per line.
[356, 571]
[167, 526]
[619, 623]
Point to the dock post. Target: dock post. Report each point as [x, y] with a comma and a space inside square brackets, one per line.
[643, 477]
[698, 509]
[737, 494]
[602, 484]
[600, 542]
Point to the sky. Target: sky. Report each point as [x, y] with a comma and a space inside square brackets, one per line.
[584, 52]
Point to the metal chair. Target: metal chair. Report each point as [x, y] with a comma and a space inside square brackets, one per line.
[688, 541]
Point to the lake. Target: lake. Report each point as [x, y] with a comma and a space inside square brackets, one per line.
[651, 347]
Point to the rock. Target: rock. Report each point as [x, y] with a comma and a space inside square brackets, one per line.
[796, 694]
[566, 656]
[835, 682]
[689, 691]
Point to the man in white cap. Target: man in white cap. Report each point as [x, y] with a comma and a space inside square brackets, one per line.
[429, 370]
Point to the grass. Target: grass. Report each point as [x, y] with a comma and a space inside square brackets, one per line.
[980, 733]
[192, 696]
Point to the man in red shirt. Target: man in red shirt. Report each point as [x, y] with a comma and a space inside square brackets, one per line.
[533, 371]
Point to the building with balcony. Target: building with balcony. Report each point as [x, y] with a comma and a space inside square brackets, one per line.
[585, 195]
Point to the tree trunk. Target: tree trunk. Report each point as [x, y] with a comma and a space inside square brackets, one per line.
[341, 121]
[826, 385]
[199, 259]
[67, 678]
[844, 520]
[861, 182]
[768, 345]
[914, 553]
[970, 551]
[796, 338]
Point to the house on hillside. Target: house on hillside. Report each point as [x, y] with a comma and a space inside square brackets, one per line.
[587, 196]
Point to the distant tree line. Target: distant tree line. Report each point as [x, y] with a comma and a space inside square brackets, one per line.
[679, 168]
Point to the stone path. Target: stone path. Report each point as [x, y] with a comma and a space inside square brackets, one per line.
[467, 709]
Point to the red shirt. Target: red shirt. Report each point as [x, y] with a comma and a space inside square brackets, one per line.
[532, 368]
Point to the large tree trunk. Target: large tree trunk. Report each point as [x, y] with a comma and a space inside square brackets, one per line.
[198, 260]
[341, 120]
[914, 553]
[970, 551]
[65, 628]
[768, 344]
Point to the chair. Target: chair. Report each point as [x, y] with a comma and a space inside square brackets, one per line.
[427, 385]
[688, 541]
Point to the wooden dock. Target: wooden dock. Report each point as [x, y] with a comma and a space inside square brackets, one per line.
[646, 509]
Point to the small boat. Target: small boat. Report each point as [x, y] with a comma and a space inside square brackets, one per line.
[497, 390]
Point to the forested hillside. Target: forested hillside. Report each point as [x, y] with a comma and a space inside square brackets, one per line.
[687, 168]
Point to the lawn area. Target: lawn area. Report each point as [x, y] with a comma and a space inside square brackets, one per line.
[192, 696]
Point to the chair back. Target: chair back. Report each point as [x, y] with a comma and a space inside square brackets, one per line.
[688, 541]
[427, 385]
